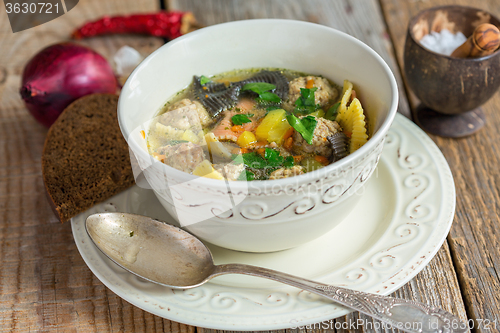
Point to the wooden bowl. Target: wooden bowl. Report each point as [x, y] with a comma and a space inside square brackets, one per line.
[450, 89]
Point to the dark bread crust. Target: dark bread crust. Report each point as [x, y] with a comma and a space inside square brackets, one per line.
[85, 157]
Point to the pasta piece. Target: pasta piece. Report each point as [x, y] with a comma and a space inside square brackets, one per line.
[352, 118]
[168, 132]
[354, 112]
[346, 96]
[357, 125]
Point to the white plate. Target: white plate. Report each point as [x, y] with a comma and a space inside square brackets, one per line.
[398, 226]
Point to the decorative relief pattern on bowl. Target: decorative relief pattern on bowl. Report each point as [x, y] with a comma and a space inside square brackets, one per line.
[294, 198]
[160, 176]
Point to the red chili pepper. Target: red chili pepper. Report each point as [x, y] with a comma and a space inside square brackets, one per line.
[162, 24]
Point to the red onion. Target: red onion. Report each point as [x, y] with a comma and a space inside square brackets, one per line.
[60, 74]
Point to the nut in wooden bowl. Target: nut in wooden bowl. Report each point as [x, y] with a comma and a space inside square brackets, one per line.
[451, 89]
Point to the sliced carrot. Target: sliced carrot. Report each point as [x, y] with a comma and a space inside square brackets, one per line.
[297, 158]
[310, 83]
[288, 143]
[288, 134]
[237, 128]
[143, 134]
[261, 151]
[321, 159]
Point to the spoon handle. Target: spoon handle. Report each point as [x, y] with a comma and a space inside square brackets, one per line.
[409, 316]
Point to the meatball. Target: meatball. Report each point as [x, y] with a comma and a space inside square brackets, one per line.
[320, 144]
[186, 114]
[324, 95]
[285, 173]
[230, 171]
[184, 156]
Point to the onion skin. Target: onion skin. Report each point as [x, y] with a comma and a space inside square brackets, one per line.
[60, 74]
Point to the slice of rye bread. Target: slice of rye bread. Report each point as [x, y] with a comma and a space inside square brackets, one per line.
[85, 157]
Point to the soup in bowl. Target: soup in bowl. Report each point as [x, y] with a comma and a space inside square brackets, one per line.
[259, 135]
[258, 124]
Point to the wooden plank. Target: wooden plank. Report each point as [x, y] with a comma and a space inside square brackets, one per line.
[437, 283]
[361, 19]
[44, 283]
[475, 235]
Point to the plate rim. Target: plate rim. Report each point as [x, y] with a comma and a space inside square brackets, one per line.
[446, 183]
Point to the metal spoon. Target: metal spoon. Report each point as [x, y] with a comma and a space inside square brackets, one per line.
[164, 254]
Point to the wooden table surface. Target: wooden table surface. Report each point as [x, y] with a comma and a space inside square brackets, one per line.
[46, 286]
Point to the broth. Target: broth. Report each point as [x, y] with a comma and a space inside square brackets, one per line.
[258, 124]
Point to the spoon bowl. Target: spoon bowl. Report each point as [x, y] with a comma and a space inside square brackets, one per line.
[169, 256]
[156, 251]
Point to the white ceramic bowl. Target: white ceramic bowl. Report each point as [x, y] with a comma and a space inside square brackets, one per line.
[260, 216]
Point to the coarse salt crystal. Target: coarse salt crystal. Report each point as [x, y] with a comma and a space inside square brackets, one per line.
[126, 59]
[443, 42]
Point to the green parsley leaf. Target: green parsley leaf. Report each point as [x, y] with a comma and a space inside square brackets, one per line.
[259, 87]
[204, 79]
[272, 107]
[246, 175]
[273, 157]
[269, 97]
[289, 162]
[262, 167]
[254, 160]
[304, 126]
[305, 103]
[332, 112]
[307, 96]
[263, 89]
[240, 119]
